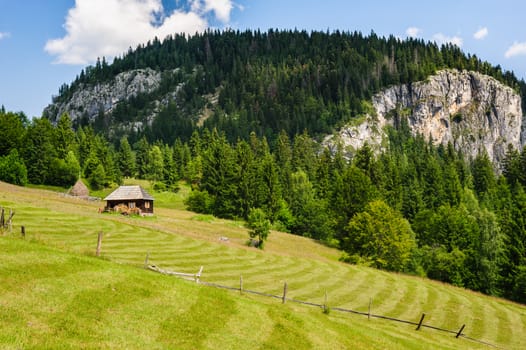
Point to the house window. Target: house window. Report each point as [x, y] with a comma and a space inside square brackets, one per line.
[147, 205]
[131, 205]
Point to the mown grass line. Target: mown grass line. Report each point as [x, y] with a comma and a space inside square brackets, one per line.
[308, 275]
[98, 304]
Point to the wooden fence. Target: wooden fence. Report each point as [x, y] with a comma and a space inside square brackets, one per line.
[6, 219]
[458, 333]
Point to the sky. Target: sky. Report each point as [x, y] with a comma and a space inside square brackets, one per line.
[45, 44]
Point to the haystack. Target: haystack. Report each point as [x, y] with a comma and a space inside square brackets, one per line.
[79, 189]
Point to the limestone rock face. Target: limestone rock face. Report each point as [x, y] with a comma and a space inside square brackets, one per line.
[91, 100]
[472, 111]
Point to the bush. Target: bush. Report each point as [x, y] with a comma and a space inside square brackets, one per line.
[199, 202]
[159, 186]
[12, 169]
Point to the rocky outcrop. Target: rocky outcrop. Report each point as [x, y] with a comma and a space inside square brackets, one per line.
[90, 100]
[472, 111]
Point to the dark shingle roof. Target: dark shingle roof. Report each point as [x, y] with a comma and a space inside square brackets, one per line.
[128, 192]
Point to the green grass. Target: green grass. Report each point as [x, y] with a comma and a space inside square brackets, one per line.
[53, 286]
[53, 299]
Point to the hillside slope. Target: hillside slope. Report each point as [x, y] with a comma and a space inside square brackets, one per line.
[252, 81]
[61, 300]
[50, 297]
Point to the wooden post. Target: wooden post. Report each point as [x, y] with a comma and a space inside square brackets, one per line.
[9, 222]
[460, 331]
[146, 260]
[198, 275]
[370, 304]
[325, 302]
[99, 244]
[240, 284]
[284, 293]
[2, 220]
[420, 322]
[23, 231]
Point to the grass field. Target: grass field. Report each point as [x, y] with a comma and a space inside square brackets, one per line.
[55, 281]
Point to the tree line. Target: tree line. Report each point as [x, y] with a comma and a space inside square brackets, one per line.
[414, 207]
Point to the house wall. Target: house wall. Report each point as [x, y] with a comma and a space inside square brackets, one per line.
[146, 206]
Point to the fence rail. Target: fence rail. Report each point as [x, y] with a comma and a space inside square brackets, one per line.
[196, 277]
[188, 276]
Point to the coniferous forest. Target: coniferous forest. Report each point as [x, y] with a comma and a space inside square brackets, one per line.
[267, 82]
[414, 208]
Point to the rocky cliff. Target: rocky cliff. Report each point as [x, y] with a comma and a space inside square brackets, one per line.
[472, 111]
[88, 101]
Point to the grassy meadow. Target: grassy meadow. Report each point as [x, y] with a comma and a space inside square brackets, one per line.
[56, 294]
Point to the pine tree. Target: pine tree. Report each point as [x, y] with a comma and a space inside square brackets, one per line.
[64, 136]
[126, 158]
[142, 152]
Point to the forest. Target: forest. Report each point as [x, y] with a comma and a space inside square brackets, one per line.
[265, 82]
[414, 208]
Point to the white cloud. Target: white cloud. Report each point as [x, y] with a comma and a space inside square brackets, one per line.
[517, 49]
[221, 8]
[481, 33]
[413, 31]
[96, 28]
[444, 39]
[4, 35]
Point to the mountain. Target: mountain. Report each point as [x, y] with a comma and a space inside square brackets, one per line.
[241, 82]
[472, 111]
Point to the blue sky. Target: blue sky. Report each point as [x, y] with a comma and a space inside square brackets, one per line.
[44, 44]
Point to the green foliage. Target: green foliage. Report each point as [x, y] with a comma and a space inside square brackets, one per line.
[439, 264]
[96, 179]
[12, 131]
[382, 236]
[259, 226]
[12, 169]
[64, 172]
[200, 202]
[220, 176]
[39, 151]
[155, 164]
[126, 158]
[64, 137]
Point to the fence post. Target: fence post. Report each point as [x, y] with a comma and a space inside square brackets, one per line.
[23, 231]
[146, 260]
[370, 304]
[198, 275]
[240, 284]
[460, 331]
[10, 220]
[284, 293]
[420, 322]
[99, 244]
[325, 306]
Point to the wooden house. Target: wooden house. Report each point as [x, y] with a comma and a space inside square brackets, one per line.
[130, 199]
